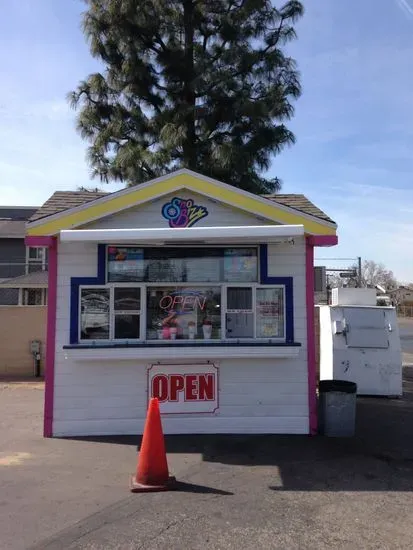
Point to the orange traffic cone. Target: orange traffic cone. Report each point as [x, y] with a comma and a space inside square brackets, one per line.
[152, 470]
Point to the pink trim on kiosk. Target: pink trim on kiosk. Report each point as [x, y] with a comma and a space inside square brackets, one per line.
[311, 359]
[322, 240]
[51, 243]
[310, 242]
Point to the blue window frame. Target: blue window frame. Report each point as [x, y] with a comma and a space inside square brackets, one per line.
[100, 279]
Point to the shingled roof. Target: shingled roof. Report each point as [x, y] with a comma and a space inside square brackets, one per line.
[38, 279]
[64, 200]
[300, 203]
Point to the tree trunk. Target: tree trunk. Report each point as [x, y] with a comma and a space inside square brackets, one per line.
[189, 148]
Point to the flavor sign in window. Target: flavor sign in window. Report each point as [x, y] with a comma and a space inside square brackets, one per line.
[183, 389]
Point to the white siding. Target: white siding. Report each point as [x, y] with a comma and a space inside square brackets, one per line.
[256, 396]
[288, 260]
[264, 397]
[150, 215]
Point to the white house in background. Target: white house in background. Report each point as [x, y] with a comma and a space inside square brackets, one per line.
[402, 295]
[23, 269]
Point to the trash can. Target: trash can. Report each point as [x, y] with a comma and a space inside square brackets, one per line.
[337, 408]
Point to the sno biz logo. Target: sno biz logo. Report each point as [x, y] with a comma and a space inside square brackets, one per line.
[183, 212]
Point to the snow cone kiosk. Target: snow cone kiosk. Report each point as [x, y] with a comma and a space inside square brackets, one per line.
[185, 289]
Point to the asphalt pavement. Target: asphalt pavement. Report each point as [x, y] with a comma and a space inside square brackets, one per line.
[242, 492]
[406, 334]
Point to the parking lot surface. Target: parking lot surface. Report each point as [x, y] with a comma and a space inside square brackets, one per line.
[287, 492]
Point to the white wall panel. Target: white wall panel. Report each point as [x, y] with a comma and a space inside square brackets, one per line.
[150, 215]
[255, 396]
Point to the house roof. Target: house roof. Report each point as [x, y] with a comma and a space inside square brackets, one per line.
[300, 203]
[75, 209]
[11, 229]
[64, 200]
[38, 279]
[13, 220]
[17, 212]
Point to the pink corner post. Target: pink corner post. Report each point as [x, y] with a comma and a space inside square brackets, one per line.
[311, 357]
[311, 242]
[51, 243]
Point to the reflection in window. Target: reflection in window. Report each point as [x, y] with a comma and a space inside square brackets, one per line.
[240, 265]
[183, 313]
[182, 264]
[127, 327]
[94, 313]
[127, 299]
[270, 313]
[127, 306]
[125, 264]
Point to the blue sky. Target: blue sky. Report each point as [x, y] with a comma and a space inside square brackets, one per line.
[353, 123]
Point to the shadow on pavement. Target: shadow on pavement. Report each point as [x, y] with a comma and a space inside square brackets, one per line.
[379, 457]
[184, 487]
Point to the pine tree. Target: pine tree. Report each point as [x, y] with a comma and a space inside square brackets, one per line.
[201, 84]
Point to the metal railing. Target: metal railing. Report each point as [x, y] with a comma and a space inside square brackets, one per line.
[9, 270]
[13, 296]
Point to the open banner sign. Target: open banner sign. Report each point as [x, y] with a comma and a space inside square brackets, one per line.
[183, 389]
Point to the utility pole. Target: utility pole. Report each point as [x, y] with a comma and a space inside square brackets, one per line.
[359, 273]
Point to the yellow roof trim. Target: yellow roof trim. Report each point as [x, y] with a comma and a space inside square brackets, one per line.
[221, 192]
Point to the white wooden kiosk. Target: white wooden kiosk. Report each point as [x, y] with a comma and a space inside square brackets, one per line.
[186, 289]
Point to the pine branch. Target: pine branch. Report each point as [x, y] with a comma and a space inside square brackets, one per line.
[141, 117]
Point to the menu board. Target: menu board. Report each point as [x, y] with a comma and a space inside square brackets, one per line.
[164, 270]
[240, 265]
[204, 269]
[270, 313]
[125, 264]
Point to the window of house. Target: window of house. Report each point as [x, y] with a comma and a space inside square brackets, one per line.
[36, 259]
[171, 294]
[34, 296]
[9, 296]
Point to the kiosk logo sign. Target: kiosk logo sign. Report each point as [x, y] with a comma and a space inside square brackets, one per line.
[183, 389]
[183, 212]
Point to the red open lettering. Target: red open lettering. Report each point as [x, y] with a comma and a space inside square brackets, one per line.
[191, 387]
[188, 304]
[184, 387]
[177, 383]
[160, 387]
[165, 302]
[201, 302]
[206, 387]
[177, 300]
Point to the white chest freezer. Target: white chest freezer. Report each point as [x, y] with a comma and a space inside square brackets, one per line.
[361, 344]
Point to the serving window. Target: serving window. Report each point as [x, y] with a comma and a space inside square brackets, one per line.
[183, 313]
[169, 294]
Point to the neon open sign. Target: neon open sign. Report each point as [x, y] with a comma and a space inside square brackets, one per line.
[186, 302]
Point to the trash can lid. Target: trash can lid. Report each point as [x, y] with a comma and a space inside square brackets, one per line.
[337, 385]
